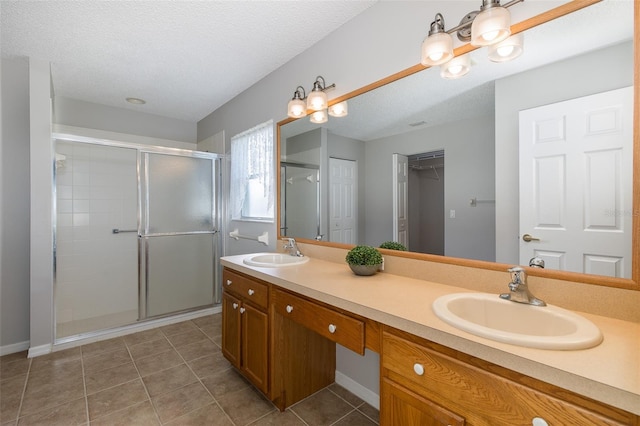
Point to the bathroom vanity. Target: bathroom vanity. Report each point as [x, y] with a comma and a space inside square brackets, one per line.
[280, 327]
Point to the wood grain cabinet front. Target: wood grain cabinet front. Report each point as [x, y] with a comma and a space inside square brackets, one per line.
[245, 327]
[421, 380]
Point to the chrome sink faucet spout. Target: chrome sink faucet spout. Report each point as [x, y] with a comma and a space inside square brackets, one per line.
[519, 290]
[290, 244]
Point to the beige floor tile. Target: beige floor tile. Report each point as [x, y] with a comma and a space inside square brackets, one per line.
[14, 367]
[103, 379]
[55, 359]
[355, 418]
[209, 319]
[197, 350]
[345, 394]
[141, 414]
[179, 327]
[143, 336]
[322, 408]
[96, 348]
[210, 415]
[116, 398]
[10, 396]
[71, 413]
[277, 418]
[209, 365]
[52, 372]
[245, 406]
[106, 360]
[181, 401]
[168, 380]
[45, 391]
[148, 348]
[13, 357]
[225, 383]
[158, 362]
[186, 338]
[371, 412]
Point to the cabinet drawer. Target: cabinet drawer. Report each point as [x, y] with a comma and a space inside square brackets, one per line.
[483, 398]
[246, 288]
[341, 328]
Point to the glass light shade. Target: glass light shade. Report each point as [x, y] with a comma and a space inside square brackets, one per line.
[297, 108]
[456, 68]
[339, 110]
[437, 49]
[508, 49]
[319, 117]
[491, 26]
[317, 100]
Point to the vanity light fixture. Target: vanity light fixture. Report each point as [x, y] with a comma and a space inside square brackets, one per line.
[507, 49]
[485, 27]
[456, 68]
[297, 106]
[316, 102]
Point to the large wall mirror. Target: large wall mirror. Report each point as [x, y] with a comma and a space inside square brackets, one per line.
[473, 186]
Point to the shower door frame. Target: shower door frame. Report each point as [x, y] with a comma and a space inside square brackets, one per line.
[218, 209]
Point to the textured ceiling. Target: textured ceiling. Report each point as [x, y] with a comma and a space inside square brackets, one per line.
[185, 58]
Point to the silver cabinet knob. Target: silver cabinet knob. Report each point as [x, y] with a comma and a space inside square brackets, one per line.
[250, 292]
[539, 421]
[229, 282]
[289, 309]
[419, 369]
[242, 310]
[332, 328]
[235, 306]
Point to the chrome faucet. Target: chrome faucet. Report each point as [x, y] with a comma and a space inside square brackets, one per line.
[519, 290]
[290, 244]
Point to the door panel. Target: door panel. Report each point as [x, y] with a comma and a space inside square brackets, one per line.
[231, 327]
[400, 201]
[343, 221]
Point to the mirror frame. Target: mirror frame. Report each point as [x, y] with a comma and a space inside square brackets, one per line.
[624, 283]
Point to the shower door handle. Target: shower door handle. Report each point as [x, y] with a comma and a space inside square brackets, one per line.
[120, 231]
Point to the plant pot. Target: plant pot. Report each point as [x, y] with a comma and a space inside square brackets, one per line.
[364, 269]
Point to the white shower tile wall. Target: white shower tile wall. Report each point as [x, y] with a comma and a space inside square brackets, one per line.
[96, 270]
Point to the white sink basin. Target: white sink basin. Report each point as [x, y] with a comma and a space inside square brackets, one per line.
[274, 260]
[542, 327]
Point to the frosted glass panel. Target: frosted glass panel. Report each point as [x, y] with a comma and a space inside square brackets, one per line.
[179, 272]
[180, 194]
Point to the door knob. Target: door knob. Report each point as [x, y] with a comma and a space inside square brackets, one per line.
[528, 238]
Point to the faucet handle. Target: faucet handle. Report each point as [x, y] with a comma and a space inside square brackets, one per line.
[517, 277]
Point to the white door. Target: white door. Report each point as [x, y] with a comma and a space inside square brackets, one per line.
[575, 184]
[343, 205]
[400, 202]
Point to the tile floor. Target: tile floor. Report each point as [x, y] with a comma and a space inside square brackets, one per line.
[172, 375]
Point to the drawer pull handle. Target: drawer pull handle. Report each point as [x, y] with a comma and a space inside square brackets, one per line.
[332, 328]
[229, 282]
[242, 310]
[289, 309]
[250, 292]
[419, 369]
[539, 421]
[235, 306]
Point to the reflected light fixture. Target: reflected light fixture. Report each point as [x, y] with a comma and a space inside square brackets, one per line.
[319, 117]
[297, 106]
[315, 101]
[339, 110]
[456, 68]
[437, 48]
[507, 49]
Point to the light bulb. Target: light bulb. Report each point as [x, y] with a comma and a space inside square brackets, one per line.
[508, 49]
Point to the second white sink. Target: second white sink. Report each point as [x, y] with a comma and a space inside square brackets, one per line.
[274, 260]
[548, 327]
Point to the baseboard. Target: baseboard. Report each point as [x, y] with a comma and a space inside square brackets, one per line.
[39, 350]
[358, 390]
[13, 348]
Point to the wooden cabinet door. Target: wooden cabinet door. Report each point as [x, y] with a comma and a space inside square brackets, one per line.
[255, 339]
[400, 406]
[231, 328]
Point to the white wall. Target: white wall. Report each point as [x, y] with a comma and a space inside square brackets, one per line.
[572, 78]
[73, 112]
[14, 205]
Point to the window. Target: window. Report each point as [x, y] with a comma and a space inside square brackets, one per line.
[252, 186]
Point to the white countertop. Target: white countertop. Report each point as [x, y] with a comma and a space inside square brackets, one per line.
[609, 372]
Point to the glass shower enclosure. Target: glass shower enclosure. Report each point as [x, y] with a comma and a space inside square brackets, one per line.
[136, 234]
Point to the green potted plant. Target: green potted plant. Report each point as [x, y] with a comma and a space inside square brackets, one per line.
[364, 260]
[393, 245]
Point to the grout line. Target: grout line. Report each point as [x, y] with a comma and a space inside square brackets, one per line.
[343, 417]
[84, 388]
[24, 390]
[144, 386]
